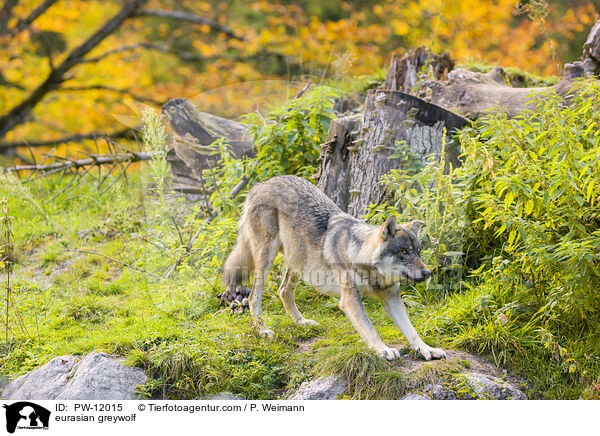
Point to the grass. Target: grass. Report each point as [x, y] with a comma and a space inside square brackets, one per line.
[70, 302]
[372, 377]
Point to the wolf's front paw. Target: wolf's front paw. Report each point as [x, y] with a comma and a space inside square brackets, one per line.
[266, 333]
[389, 353]
[431, 353]
[306, 322]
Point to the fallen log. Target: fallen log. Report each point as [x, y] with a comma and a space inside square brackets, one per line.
[473, 94]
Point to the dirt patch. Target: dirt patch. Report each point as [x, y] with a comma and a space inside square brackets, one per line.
[306, 346]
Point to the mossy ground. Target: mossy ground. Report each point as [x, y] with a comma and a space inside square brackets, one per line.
[90, 272]
[66, 301]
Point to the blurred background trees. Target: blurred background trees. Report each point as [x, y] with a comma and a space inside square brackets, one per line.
[73, 69]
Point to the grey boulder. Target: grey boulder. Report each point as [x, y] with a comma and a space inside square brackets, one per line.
[323, 388]
[489, 387]
[96, 376]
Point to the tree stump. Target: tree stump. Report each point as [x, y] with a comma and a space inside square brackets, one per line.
[192, 134]
[358, 150]
[333, 169]
[405, 72]
[591, 52]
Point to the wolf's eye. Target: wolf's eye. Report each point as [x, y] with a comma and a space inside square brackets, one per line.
[403, 251]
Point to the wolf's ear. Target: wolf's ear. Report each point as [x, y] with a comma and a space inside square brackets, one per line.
[415, 226]
[388, 228]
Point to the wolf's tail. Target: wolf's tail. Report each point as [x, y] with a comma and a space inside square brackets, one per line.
[239, 264]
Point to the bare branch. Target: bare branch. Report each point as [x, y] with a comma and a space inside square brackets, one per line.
[9, 84]
[123, 48]
[303, 90]
[5, 14]
[73, 138]
[93, 160]
[184, 55]
[192, 18]
[111, 89]
[194, 57]
[19, 114]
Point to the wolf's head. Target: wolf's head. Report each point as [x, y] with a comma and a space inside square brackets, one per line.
[398, 253]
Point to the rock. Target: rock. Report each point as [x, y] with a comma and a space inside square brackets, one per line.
[225, 396]
[97, 376]
[483, 387]
[461, 376]
[323, 388]
[492, 388]
[439, 392]
[415, 396]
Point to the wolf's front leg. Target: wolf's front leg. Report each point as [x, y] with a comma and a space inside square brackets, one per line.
[352, 306]
[394, 306]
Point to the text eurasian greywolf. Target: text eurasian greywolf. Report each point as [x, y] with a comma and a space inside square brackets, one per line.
[330, 250]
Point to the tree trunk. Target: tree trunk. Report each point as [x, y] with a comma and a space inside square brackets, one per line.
[358, 151]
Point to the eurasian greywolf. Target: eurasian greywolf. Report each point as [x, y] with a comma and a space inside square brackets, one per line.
[330, 250]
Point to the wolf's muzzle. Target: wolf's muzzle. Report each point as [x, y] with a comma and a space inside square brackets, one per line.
[422, 276]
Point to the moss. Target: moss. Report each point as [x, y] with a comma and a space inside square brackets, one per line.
[516, 77]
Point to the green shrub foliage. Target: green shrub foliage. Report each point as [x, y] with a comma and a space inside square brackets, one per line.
[533, 185]
[523, 215]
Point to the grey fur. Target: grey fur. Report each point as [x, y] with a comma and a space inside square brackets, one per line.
[332, 251]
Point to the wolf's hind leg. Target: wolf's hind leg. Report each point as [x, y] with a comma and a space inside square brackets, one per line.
[263, 263]
[286, 293]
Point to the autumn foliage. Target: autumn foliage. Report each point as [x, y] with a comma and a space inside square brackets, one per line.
[229, 60]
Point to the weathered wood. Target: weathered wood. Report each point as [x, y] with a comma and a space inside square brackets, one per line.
[390, 117]
[189, 144]
[333, 176]
[358, 151]
[474, 94]
[591, 52]
[406, 72]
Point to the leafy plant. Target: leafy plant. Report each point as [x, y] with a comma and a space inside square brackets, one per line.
[534, 188]
[428, 192]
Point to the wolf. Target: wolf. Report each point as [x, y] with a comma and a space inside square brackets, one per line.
[330, 250]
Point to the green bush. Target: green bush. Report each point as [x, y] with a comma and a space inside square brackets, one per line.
[534, 185]
[523, 214]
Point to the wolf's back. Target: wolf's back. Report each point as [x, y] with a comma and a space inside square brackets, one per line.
[304, 206]
[288, 206]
